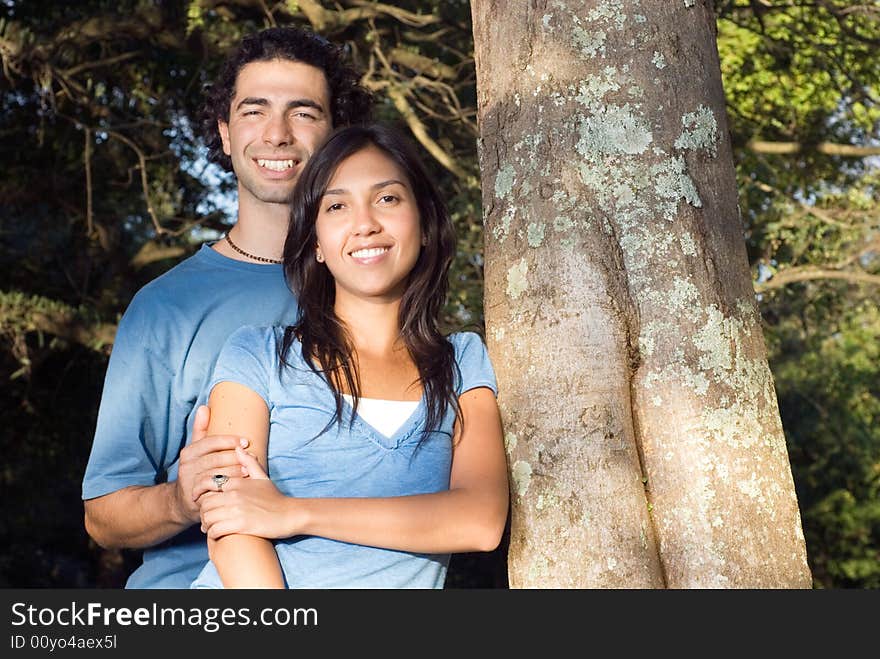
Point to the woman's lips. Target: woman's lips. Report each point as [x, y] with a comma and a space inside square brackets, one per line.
[369, 255]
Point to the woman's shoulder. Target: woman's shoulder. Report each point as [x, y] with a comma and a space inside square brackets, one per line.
[472, 361]
[466, 342]
[256, 335]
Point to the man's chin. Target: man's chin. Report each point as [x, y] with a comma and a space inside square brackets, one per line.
[275, 196]
[276, 199]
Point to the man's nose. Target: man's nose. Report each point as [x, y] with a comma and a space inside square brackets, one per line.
[278, 131]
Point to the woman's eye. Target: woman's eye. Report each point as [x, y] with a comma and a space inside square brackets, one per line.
[387, 198]
[334, 207]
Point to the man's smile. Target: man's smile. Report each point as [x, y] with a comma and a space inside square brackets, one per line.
[277, 165]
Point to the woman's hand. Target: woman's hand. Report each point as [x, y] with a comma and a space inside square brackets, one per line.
[252, 505]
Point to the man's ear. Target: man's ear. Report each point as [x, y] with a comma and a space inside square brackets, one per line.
[223, 129]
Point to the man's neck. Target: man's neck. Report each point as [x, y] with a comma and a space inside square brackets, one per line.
[260, 231]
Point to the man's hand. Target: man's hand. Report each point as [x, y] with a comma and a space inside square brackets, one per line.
[201, 459]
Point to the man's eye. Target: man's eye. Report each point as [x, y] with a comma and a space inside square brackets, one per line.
[250, 112]
[305, 115]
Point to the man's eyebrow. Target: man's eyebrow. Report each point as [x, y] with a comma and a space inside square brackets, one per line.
[305, 103]
[295, 103]
[375, 186]
[251, 100]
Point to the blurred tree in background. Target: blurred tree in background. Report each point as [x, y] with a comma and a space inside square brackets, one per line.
[104, 186]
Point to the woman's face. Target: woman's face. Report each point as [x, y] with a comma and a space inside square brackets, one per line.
[368, 227]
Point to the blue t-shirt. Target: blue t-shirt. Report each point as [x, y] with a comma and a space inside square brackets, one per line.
[162, 358]
[356, 461]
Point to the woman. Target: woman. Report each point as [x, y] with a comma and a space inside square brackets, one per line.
[386, 449]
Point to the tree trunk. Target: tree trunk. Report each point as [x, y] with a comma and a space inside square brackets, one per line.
[644, 441]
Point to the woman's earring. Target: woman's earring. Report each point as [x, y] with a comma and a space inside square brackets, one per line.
[319, 257]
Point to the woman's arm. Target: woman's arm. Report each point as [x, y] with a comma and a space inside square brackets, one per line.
[243, 561]
[470, 516]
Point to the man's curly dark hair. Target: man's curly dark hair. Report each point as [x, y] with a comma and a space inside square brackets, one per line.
[350, 102]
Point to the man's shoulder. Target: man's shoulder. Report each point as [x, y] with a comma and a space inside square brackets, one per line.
[166, 294]
[192, 281]
[190, 270]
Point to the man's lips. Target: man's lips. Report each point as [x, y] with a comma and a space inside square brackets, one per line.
[277, 164]
[277, 167]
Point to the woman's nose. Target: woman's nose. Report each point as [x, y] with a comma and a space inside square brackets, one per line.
[365, 222]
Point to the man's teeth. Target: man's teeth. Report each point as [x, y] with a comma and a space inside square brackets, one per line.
[368, 253]
[275, 165]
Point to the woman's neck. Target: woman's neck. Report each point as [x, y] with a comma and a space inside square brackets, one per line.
[374, 326]
[384, 365]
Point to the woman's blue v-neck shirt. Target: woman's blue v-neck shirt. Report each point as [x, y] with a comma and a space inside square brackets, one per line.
[345, 461]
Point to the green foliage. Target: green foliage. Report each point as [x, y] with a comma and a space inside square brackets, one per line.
[825, 356]
[799, 72]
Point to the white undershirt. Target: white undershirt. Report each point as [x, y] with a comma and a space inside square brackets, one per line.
[386, 416]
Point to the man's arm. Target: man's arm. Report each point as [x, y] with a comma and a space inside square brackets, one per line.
[143, 516]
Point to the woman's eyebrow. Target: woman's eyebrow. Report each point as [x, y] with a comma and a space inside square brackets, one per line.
[375, 186]
[390, 181]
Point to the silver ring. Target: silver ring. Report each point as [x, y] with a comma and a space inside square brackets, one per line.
[219, 481]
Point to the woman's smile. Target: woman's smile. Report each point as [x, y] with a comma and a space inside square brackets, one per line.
[369, 255]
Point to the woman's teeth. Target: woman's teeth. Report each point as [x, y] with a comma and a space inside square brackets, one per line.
[368, 253]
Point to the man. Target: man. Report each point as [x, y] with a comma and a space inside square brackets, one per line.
[276, 100]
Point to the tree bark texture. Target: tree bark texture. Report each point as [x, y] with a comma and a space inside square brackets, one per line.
[644, 440]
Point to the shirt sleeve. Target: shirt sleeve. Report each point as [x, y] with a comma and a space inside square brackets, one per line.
[247, 357]
[473, 362]
[137, 415]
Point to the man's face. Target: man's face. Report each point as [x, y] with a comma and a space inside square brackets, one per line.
[278, 117]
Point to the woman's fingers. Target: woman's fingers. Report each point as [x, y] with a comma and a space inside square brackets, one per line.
[219, 529]
[218, 522]
[251, 464]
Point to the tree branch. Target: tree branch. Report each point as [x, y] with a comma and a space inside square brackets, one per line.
[79, 68]
[323, 19]
[809, 273]
[397, 96]
[87, 162]
[828, 148]
[811, 210]
[20, 313]
[152, 252]
[422, 64]
[145, 186]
